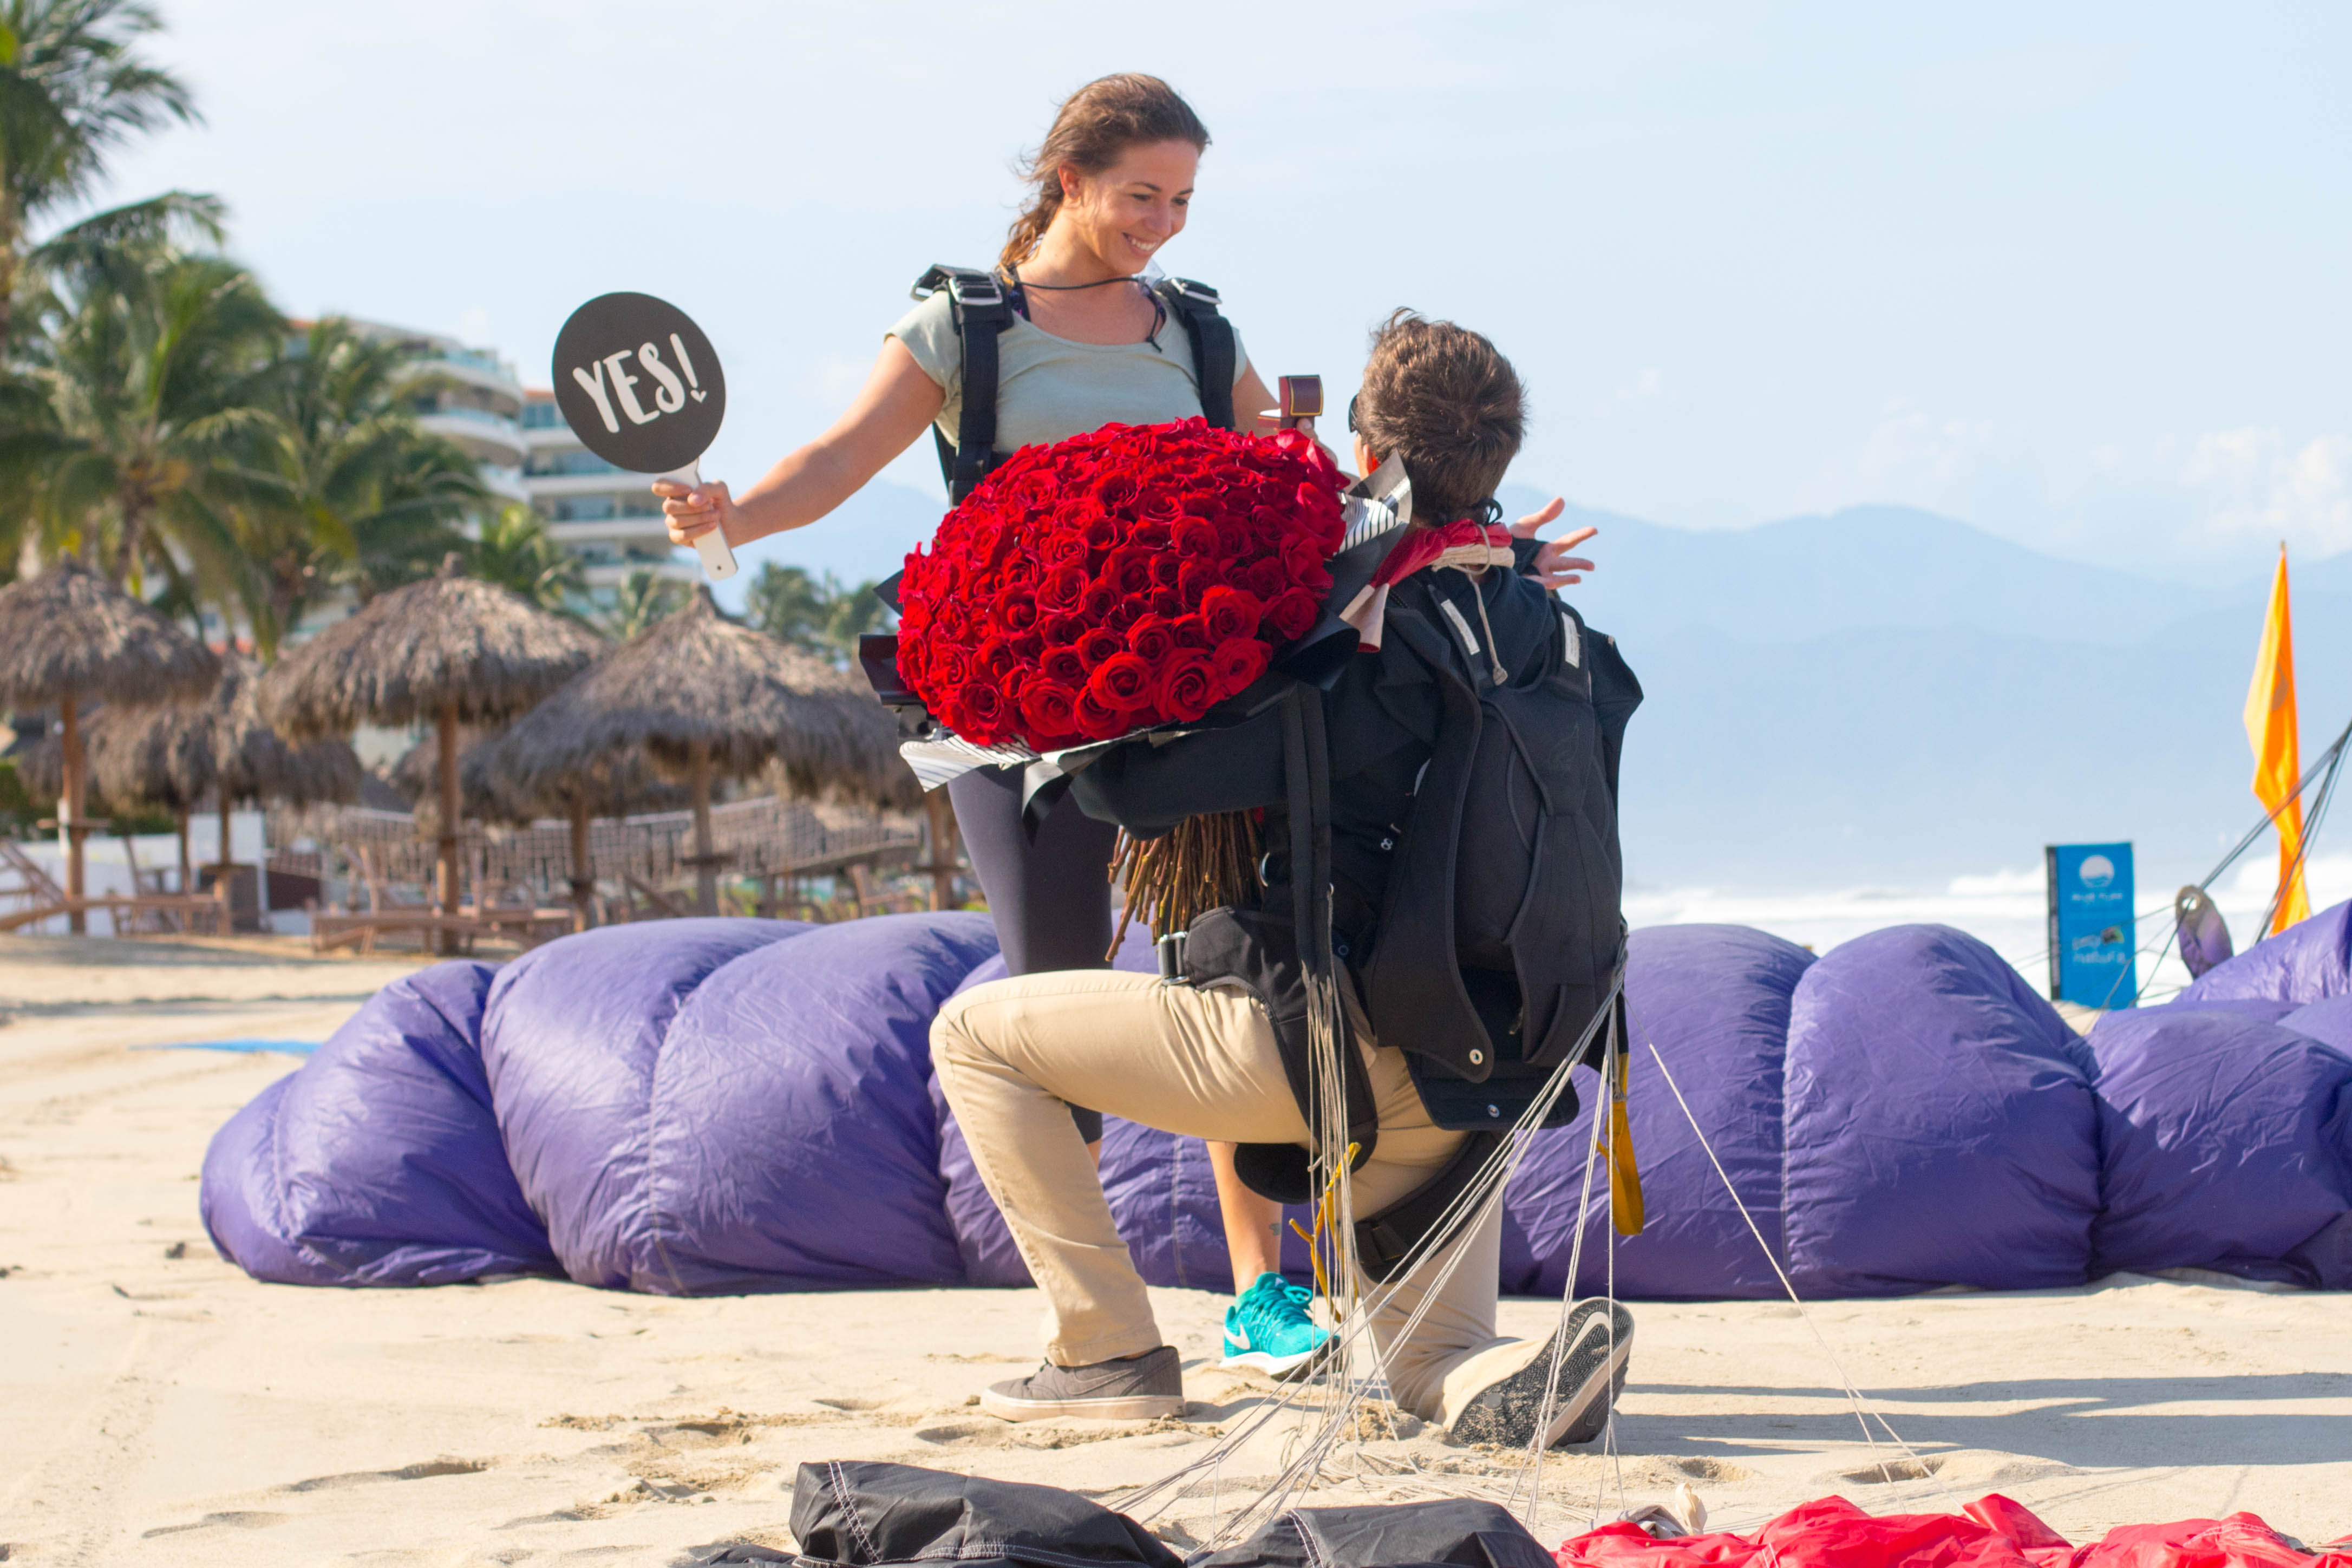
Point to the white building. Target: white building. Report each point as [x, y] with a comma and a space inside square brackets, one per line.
[470, 396]
[603, 515]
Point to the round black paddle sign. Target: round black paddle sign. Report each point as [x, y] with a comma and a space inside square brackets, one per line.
[638, 382]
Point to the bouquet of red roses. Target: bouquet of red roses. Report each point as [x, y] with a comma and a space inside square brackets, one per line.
[1120, 580]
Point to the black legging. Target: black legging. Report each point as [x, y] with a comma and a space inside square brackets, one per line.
[1050, 898]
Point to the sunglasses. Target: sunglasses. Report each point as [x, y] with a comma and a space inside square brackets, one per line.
[1351, 412]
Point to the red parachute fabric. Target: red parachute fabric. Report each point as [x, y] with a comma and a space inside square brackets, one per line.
[1995, 1533]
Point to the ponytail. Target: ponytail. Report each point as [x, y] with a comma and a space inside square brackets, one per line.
[1097, 123]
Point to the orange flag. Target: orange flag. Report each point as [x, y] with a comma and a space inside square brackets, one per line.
[2278, 758]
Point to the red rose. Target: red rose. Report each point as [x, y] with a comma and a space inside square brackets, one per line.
[1195, 579]
[1050, 707]
[1153, 639]
[1266, 578]
[983, 712]
[1196, 536]
[1062, 544]
[1301, 555]
[1098, 720]
[1230, 612]
[1127, 569]
[1166, 569]
[1059, 630]
[1293, 615]
[1098, 644]
[1016, 610]
[1192, 631]
[1028, 647]
[995, 660]
[1239, 661]
[1167, 603]
[1154, 505]
[1103, 605]
[1122, 681]
[950, 666]
[1064, 664]
[1063, 589]
[1115, 490]
[1188, 684]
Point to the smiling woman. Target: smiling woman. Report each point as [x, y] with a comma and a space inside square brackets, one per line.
[1072, 328]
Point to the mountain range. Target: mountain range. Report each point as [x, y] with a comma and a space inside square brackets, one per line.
[1884, 696]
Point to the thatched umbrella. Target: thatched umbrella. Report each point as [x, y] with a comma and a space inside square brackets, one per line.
[175, 754]
[69, 636]
[702, 696]
[447, 650]
[492, 772]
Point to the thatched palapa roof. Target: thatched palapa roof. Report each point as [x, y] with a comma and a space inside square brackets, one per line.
[490, 791]
[70, 633]
[180, 755]
[699, 677]
[410, 655]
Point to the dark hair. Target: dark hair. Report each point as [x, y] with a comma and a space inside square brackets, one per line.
[1446, 400]
[1093, 127]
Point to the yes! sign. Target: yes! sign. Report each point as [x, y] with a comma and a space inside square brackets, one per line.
[641, 386]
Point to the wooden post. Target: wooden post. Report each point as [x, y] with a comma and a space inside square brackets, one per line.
[224, 869]
[181, 819]
[69, 808]
[940, 813]
[448, 728]
[583, 871]
[706, 866]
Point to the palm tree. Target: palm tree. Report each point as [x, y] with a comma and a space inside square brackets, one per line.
[515, 550]
[73, 87]
[335, 485]
[642, 599]
[150, 355]
[818, 615]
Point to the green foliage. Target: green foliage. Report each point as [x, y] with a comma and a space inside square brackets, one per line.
[642, 599]
[73, 90]
[515, 550]
[333, 484]
[126, 821]
[15, 800]
[817, 614]
[148, 358]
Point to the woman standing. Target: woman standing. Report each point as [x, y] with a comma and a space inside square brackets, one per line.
[1086, 339]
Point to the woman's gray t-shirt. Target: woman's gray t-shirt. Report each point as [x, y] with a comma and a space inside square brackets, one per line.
[1050, 388]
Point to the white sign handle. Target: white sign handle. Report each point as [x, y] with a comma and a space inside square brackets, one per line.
[718, 556]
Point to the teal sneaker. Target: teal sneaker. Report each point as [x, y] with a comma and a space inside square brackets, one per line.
[1269, 1330]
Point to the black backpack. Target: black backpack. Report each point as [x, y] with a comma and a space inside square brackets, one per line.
[1501, 934]
[977, 303]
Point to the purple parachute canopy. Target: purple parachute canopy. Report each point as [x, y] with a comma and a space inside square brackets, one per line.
[700, 1106]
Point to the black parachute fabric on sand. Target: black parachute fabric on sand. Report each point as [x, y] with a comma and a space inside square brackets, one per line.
[867, 1513]
[1466, 1532]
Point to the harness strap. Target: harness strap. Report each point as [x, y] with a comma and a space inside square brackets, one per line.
[977, 304]
[1196, 305]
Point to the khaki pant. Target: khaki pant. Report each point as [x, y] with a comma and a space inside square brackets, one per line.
[1202, 1062]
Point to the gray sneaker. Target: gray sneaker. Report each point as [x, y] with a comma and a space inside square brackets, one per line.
[1142, 1389]
[1591, 1369]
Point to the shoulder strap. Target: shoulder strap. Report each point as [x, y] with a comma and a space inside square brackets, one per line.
[1195, 304]
[977, 304]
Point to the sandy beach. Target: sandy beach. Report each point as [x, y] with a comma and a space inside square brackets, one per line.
[158, 1407]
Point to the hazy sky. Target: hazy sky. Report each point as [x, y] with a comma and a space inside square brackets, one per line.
[2077, 274]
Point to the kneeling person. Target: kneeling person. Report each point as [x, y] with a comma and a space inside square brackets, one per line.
[1205, 1060]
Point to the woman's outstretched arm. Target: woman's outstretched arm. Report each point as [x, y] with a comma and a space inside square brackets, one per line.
[889, 412]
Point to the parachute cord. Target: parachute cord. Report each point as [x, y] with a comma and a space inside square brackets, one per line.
[1863, 1411]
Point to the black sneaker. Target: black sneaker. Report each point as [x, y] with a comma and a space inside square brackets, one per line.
[1591, 1369]
[1142, 1389]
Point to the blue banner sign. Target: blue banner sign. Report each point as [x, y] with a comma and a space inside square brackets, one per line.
[2092, 952]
